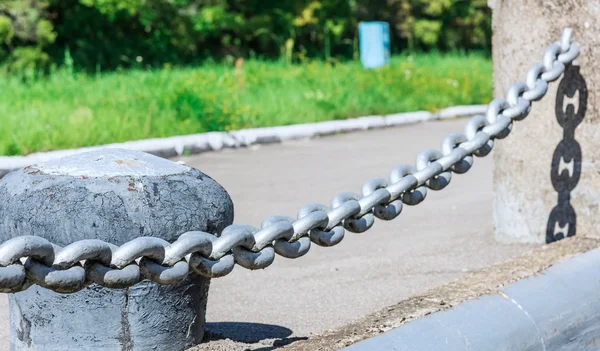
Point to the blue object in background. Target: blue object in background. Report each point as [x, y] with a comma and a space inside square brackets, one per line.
[374, 41]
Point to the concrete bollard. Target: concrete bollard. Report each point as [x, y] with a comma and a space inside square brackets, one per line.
[547, 174]
[113, 195]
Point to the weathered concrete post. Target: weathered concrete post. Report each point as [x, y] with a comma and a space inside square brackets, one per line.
[547, 172]
[113, 195]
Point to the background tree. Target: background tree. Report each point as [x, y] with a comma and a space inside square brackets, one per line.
[108, 34]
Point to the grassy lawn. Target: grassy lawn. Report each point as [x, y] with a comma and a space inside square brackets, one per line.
[73, 110]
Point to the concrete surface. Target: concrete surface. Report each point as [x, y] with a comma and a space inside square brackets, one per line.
[428, 245]
[114, 195]
[558, 309]
[524, 194]
[482, 282]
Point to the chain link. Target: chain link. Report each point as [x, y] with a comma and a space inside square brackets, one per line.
[29, 260]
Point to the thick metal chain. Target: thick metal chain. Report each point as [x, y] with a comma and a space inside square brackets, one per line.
[29, 260]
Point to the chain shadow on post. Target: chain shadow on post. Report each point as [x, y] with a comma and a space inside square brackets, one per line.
[570, 109]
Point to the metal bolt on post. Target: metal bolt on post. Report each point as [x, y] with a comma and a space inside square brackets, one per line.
[115, 196]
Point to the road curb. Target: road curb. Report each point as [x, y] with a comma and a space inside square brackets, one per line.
[556, 310]
[214, 141]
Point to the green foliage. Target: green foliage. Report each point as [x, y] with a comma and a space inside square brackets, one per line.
[25, 35]
[44, 33]
[428, 31]
[112, 7]
[68, 109]
[435, 8]
[436, 24]
[27, 62]
[6, 30]
[110, 34]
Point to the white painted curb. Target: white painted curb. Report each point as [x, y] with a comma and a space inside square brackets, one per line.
[213, 141]
[558, 309]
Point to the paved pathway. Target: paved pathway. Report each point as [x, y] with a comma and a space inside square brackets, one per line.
[428, 245]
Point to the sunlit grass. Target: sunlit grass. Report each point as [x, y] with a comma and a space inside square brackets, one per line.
[66, 110]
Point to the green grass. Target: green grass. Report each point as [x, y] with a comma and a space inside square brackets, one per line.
[72, 110]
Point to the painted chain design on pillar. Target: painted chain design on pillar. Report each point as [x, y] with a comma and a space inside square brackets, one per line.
[570, 108]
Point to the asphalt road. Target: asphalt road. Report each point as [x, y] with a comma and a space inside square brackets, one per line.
[428, 245]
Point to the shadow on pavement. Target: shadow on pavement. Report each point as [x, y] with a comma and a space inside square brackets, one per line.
[250, 333]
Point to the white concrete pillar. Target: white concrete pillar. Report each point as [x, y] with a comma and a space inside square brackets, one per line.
[547, 172]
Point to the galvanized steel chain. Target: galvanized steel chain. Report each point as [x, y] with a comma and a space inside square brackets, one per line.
[29, 260]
